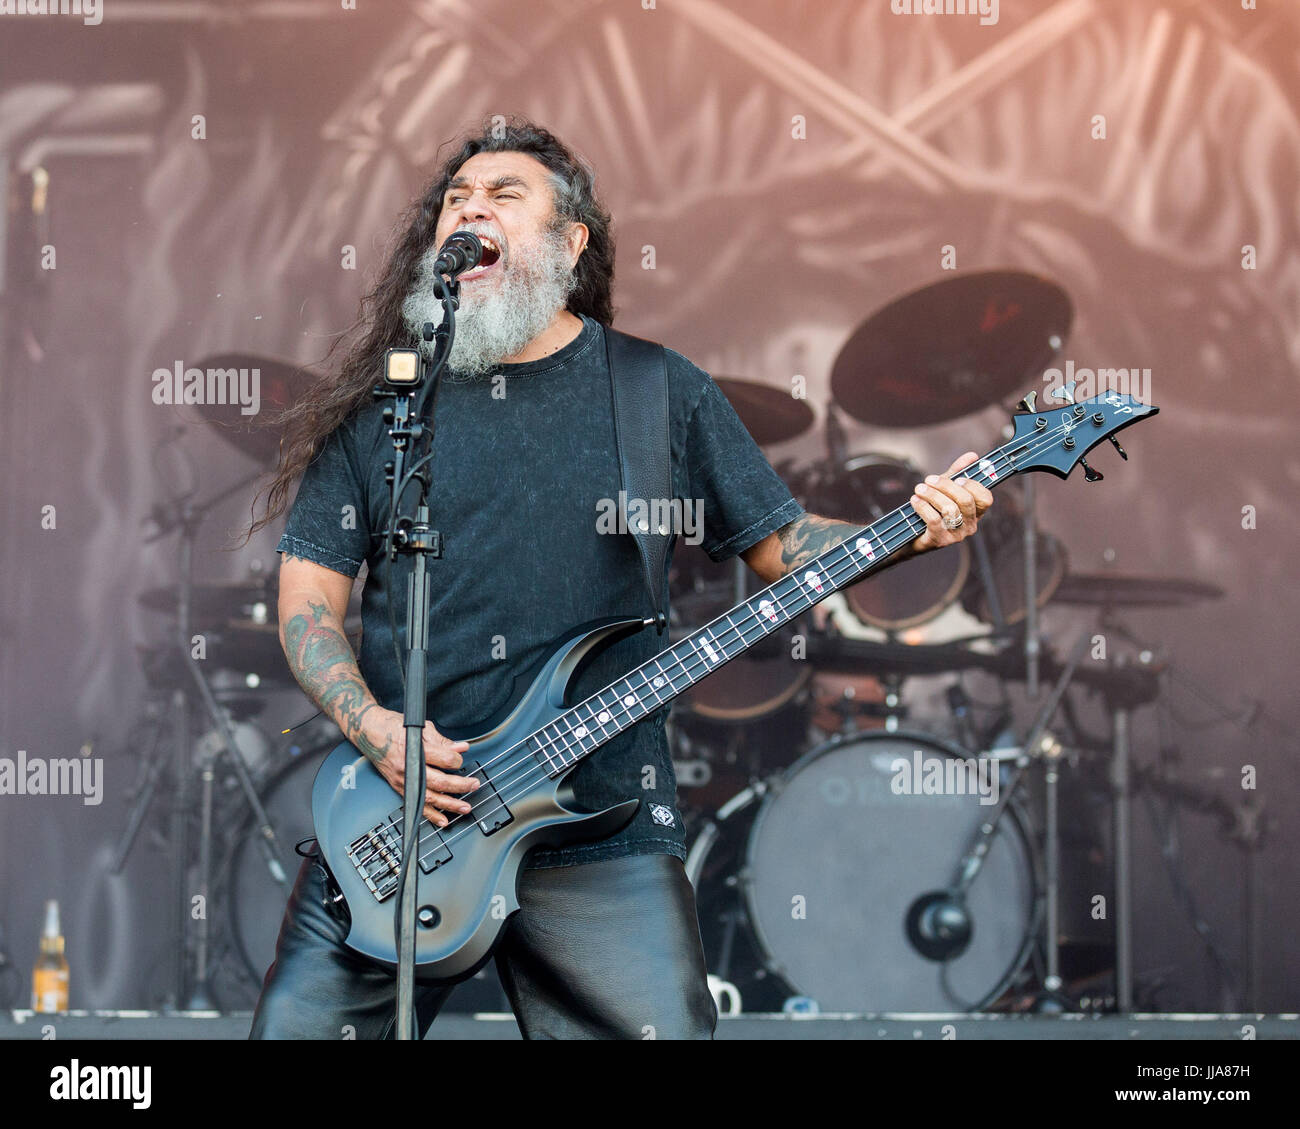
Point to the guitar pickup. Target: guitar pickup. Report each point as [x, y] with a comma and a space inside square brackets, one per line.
[487, 807]
[433, 850]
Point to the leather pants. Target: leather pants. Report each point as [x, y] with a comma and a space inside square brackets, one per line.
[603, 950]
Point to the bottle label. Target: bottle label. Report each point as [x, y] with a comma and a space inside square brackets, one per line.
[50, 990]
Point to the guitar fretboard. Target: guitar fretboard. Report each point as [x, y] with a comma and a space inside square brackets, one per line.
[587, 726]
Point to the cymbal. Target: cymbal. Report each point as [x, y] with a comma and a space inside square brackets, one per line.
[249, 647]
[280, 384]
[769, 414]
[951, 348]
[210, 603]
[232, 653]
[1104, 589]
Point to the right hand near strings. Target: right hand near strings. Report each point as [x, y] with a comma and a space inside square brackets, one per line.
[385, 732]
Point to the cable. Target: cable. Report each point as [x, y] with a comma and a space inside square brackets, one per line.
[395, 496]
[1171, 858]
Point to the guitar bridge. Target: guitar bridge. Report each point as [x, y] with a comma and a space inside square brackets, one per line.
[377, 855]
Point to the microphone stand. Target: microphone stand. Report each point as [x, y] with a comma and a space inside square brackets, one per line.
[418, 539]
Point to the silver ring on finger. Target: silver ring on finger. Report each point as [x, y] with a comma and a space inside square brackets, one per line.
[954, 521]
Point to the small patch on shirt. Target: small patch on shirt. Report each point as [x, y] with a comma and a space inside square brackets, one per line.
[662, 815]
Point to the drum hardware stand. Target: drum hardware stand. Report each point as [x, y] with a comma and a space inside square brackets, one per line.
[151, 772]
[1244, 825]
[731, 919]
[959, 706]
[849, 710]
[691, 770]
[193, 992]
[895, 711]
[1249, 834]
[1033, 645]
[837, 448]
[985, 569]
[1029, 532]
[1051, 999]
[1121, 825]
[1119, 778]
[734, 916]
[984, 566]
[938, 923]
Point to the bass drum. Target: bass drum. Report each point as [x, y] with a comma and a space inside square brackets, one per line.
[257, 901]
[836, 859]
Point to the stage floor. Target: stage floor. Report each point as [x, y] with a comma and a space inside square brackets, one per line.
[234, 1025]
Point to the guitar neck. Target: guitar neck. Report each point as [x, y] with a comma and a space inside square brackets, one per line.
[587, 726]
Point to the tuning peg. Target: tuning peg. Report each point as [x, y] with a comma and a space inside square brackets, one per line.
[1065, 392]
[1089, 474]
[1028, 402]
[1123, 454]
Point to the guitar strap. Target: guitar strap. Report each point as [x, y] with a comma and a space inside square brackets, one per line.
[638, 373]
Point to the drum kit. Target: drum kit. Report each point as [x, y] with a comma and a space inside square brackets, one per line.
[899, 902]
[860, 916]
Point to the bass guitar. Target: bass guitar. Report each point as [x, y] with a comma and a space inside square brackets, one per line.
[524, 756]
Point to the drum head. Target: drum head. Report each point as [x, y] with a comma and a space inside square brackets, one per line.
[257, 900]
[867, 488]
[838, 856]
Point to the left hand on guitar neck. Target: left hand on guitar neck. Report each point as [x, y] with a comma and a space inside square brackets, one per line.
[945, 495]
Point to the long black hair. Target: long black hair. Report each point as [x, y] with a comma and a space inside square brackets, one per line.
[380, 324]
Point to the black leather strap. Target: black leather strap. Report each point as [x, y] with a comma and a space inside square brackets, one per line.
[638, 372]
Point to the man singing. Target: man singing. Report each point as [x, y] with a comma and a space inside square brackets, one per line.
[606, 943]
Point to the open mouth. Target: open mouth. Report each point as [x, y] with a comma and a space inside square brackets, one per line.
[491, 256]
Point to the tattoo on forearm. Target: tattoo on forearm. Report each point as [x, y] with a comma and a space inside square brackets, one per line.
[323, 663]
[809, 536]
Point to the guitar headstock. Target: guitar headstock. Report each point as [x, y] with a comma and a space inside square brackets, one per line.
[1057, 439]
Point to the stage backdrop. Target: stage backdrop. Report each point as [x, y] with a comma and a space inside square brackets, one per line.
[198, 178]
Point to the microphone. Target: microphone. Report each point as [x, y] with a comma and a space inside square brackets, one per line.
[460, 253]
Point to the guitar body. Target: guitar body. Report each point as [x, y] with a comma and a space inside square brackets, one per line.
[464, 903]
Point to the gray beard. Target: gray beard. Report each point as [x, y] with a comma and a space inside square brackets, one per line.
[534, 286]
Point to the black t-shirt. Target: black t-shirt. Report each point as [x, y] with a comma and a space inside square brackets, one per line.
[524, 473]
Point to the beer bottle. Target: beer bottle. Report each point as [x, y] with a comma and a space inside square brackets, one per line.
[50, 977]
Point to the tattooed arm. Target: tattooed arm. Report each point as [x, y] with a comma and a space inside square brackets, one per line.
[313, 603]
[939, 496]
[795, 544]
